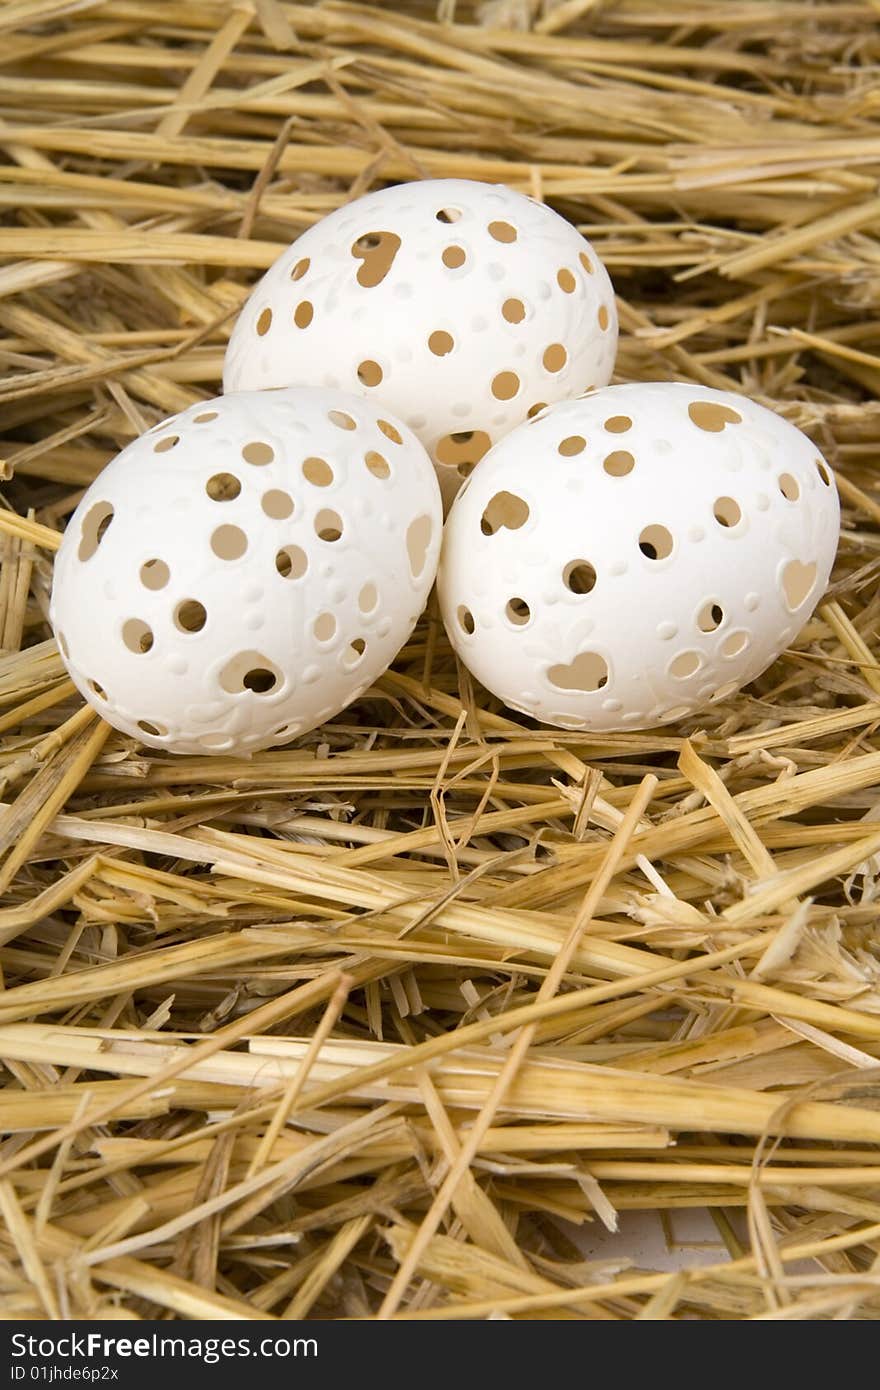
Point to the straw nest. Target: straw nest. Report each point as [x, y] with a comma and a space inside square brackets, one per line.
[360, 1027]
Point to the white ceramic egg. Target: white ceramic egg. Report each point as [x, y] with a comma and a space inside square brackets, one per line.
[626, 558]
[244, 570]
[460, 306]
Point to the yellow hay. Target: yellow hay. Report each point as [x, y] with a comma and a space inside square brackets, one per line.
[380, 1024]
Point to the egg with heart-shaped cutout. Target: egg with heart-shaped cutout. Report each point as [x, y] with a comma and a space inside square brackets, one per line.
[242, 572]
[461, 306]
[629, 557]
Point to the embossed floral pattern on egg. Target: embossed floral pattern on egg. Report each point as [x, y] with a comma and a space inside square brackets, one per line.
[245, 570]
[627, 558]
[461, 306]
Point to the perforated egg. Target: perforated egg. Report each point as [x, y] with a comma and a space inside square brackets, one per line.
[243, 571]
[627, 558]
[461, 306]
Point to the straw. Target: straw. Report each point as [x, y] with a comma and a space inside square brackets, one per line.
[383, 1023]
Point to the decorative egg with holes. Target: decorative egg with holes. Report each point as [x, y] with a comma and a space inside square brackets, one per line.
[245, 570]
[461, 306]
[626, 558]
